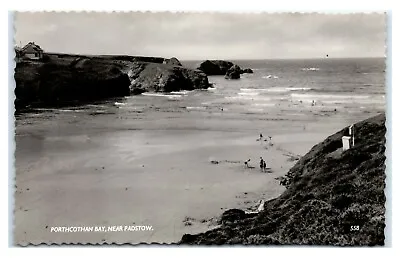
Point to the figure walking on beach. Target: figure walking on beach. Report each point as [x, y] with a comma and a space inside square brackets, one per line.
[264, 165]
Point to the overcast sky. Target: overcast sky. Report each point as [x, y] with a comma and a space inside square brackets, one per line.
[206, 36]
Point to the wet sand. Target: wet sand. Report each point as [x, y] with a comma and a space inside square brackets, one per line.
[161, 175]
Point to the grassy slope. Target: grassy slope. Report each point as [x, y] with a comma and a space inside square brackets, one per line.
[328, 191]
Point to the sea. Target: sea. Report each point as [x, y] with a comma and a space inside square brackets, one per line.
[278, 89]
[345, 85]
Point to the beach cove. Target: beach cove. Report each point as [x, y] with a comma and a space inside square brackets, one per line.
[146, 159]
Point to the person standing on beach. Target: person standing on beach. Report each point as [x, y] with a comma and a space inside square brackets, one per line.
[262, 164]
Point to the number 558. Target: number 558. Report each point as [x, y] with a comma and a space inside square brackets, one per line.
[354, 228]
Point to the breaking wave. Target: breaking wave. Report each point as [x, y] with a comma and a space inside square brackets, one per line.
[270, 77]
[171, 96]
[327, 96]
[196, 108]
[247, 91]
[310, 69]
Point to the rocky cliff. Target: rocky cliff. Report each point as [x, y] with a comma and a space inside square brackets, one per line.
[333, 197]
[54, 84]
[60, 79]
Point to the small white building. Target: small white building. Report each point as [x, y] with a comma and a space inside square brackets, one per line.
[346, 140]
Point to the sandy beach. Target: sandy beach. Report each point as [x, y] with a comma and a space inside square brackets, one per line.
[158, 177]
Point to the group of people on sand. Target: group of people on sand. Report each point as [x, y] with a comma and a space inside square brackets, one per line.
[262, 137]
[263, 164]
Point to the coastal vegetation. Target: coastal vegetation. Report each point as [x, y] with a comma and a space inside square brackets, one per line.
[333, 197]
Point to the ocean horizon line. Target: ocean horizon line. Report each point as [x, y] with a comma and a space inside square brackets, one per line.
[227, 59]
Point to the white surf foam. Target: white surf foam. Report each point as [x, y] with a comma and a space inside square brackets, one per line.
[263, 104]
[60, 110]
[67, 110]
[252, 89]
[171, 96]
[270, 76]
[248, 93]
[256, 110]
[298, 89]
[277, 89]
[327, 96]
[335, 101]
[252, 98]
[119, 104]
[97, 106]
[183, 92]
[196, 108]
[310, 69]
[274, 89]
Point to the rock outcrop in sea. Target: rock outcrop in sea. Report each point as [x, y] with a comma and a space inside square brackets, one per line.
[165, 78]
[222, 67]
[247, 70]
[233, 72]
[333, 197]
[215, 67]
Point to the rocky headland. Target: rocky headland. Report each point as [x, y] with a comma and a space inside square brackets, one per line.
[333, 197]
[61, 79]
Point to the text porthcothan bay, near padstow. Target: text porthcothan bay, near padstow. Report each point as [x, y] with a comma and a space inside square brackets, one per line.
[200, 128]
[119, 228]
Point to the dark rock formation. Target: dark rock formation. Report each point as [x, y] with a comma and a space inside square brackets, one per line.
[172, 61]
[232, 215]
[233, 72]
[55, 84]
[64, 78]
[165, 78]
[333, 197]
[247, 70]
[215, 67]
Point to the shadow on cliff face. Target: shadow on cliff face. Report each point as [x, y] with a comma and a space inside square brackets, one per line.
[333, 197]
[55, 84]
